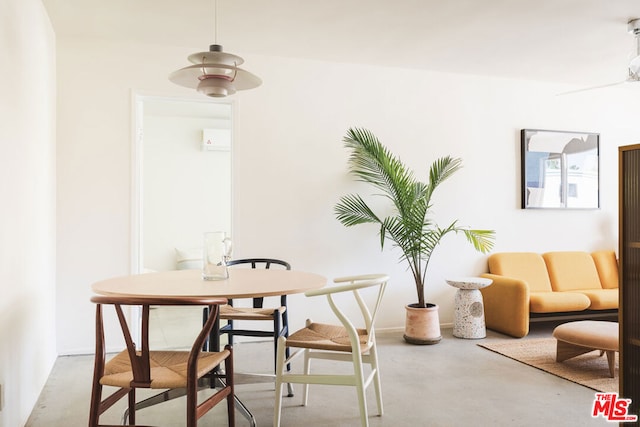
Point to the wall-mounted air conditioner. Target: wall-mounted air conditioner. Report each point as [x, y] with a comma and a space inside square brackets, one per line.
[216, 139]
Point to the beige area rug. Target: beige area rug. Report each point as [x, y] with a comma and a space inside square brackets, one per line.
[589, 370]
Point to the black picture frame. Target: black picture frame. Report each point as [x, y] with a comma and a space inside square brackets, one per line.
[560, 169]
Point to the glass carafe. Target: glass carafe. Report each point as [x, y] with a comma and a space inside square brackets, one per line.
[216, 254]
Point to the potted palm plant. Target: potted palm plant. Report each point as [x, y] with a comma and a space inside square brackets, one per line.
[409, 226]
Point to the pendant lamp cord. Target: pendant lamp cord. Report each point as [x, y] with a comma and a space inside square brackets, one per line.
[215, 21]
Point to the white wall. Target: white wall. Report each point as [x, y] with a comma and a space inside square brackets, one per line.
[27, 215]
[290, 167]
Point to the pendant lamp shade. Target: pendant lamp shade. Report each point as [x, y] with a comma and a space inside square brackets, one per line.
[215, 73]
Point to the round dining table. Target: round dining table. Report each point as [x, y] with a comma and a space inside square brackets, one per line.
[241, 283]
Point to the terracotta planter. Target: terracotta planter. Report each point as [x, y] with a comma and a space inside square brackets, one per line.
[422, 325]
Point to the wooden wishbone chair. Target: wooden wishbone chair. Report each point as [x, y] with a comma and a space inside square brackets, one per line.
[159, 369]
[342, 342]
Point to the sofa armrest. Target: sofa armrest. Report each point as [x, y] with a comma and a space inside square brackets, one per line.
[506, 303]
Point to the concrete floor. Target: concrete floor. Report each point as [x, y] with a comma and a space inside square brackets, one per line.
[453, 383]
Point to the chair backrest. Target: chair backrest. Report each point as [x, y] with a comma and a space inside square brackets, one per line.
[527, 266]
[259, 262]
[572, 270]
[265, 263]
[607, 265]
[369, 312]
[139, 357]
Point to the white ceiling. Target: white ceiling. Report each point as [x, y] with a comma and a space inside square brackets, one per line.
[583, 42]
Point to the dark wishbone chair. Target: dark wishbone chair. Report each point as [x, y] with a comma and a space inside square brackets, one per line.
[277, 315]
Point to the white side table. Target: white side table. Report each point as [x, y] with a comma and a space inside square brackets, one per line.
[468, 321]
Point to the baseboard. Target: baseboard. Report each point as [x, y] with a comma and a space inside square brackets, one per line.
[400, 329]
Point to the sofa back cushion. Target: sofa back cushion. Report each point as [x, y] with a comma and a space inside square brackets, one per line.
[607, 266]
[527, 266]
[571, 271]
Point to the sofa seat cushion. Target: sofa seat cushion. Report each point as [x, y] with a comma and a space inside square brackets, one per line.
[554, 302]
[527, 266]
[601, 299]
[571, 271]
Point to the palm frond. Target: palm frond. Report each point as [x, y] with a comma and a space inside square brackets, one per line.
[440, 171]
[372, 162]
[482, 240]
[353, 210]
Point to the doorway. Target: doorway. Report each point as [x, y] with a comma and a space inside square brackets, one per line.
[182, 188]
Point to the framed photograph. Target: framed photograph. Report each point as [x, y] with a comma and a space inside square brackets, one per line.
[560, 169]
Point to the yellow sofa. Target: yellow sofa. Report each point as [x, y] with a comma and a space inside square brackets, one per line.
[528, 286]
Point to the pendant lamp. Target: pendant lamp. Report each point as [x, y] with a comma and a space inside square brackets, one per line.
[215, 73]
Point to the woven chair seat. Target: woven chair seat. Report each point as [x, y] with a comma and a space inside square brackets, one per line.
[320, 336]
[168, 368]
[249, 313]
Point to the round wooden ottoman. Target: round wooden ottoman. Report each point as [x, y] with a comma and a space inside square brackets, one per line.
[584, 336]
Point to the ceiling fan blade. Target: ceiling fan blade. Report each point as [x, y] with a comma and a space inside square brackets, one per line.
[633, 27]
[594, 87]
